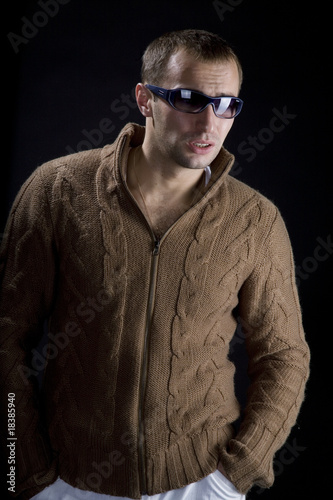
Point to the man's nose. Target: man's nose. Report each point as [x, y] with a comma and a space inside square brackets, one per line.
[207, 119]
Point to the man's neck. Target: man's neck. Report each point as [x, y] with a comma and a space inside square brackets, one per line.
[162, 196]
[161, 182]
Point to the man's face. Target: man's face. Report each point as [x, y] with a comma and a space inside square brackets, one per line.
[176, 136]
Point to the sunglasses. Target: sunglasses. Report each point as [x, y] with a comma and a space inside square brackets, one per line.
[191, 101]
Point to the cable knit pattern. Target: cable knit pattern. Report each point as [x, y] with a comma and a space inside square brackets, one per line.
[237, 251]
[183, 345]
[138, 391]
[115, 268]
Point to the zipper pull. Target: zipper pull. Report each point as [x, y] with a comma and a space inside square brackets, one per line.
[156, 247]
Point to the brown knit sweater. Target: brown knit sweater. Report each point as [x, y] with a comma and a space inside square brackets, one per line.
[138, 393]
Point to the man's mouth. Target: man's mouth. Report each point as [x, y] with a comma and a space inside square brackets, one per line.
[201, 147]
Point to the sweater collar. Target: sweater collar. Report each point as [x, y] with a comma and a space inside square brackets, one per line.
[132, 135]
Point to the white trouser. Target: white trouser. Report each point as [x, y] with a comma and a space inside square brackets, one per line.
[213, 487]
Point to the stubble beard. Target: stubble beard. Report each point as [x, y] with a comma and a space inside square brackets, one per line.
[177, 156]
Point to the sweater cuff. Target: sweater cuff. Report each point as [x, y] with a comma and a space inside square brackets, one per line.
[248, 459]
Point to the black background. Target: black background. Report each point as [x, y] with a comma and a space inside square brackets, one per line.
[74, 69]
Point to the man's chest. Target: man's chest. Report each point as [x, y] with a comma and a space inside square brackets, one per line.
[161, 218]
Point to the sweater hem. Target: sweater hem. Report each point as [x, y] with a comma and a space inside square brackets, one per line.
[184, 462]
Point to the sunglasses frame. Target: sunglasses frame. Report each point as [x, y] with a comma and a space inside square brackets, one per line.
[168, 95]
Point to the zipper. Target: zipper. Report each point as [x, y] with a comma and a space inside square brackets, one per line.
[144, 361]
[145, 358]
[144, 364]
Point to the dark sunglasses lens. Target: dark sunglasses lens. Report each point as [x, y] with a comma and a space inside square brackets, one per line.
[188, 101]
[227, 107]
[193, 102]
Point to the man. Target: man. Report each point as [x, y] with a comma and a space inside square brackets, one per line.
[141, 256]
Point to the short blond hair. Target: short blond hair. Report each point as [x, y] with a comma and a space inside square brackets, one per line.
[205, 46]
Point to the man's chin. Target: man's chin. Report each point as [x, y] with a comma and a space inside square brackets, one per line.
[200, 161]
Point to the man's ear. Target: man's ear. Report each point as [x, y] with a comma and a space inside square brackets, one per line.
[144, 99]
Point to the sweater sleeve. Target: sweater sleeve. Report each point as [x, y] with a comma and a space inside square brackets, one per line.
[278, 362]
[27, 270]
